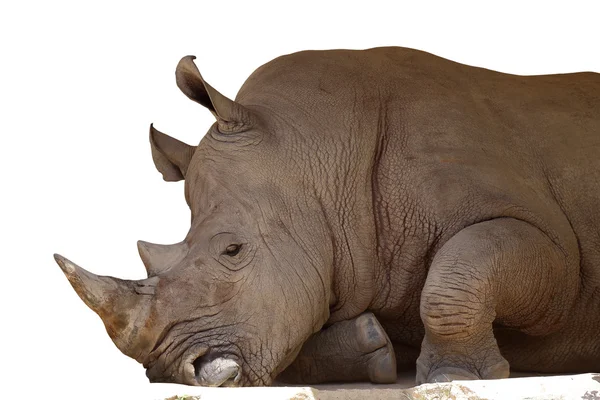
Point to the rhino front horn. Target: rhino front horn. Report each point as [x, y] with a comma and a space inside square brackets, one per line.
[118, 302]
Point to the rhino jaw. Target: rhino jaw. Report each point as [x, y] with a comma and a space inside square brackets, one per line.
[219, 371]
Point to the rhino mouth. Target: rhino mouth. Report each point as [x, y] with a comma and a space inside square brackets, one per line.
[201, 367]
[217, 369]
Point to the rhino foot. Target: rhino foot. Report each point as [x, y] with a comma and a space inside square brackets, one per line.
[354, 350]
[449, 374]
[443, 360]
[377, 348]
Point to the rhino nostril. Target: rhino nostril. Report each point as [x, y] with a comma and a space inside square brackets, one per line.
[216, 370]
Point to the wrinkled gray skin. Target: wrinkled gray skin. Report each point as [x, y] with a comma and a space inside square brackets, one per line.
[344, 192]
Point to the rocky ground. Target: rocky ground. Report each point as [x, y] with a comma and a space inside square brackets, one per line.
[580, 387]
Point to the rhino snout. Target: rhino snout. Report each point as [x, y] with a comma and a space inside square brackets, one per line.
[217, 371]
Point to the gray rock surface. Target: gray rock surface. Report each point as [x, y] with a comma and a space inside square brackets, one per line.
[567, 387]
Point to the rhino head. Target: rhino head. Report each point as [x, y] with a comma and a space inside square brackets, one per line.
[234, 301]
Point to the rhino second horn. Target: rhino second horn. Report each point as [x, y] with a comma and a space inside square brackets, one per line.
[158, 258]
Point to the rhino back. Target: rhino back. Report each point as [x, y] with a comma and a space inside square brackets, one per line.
[468, 144]
[438, 146]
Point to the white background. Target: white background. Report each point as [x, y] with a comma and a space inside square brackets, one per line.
[80, 83]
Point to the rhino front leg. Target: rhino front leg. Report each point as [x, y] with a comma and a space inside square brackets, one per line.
[503, 271]
[353, 350]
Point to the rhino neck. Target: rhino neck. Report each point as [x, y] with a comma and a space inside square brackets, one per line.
[347, 204]
[327, 129]
[333, 165]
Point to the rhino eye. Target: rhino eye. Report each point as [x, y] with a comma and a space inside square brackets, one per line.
[232, 250]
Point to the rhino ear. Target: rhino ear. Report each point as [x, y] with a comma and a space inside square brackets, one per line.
[232, 117]
[171, 156]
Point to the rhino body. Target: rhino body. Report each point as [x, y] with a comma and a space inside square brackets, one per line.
[449, 213]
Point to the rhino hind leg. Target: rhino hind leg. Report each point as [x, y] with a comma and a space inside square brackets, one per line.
[347, 351]
[503, 271]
